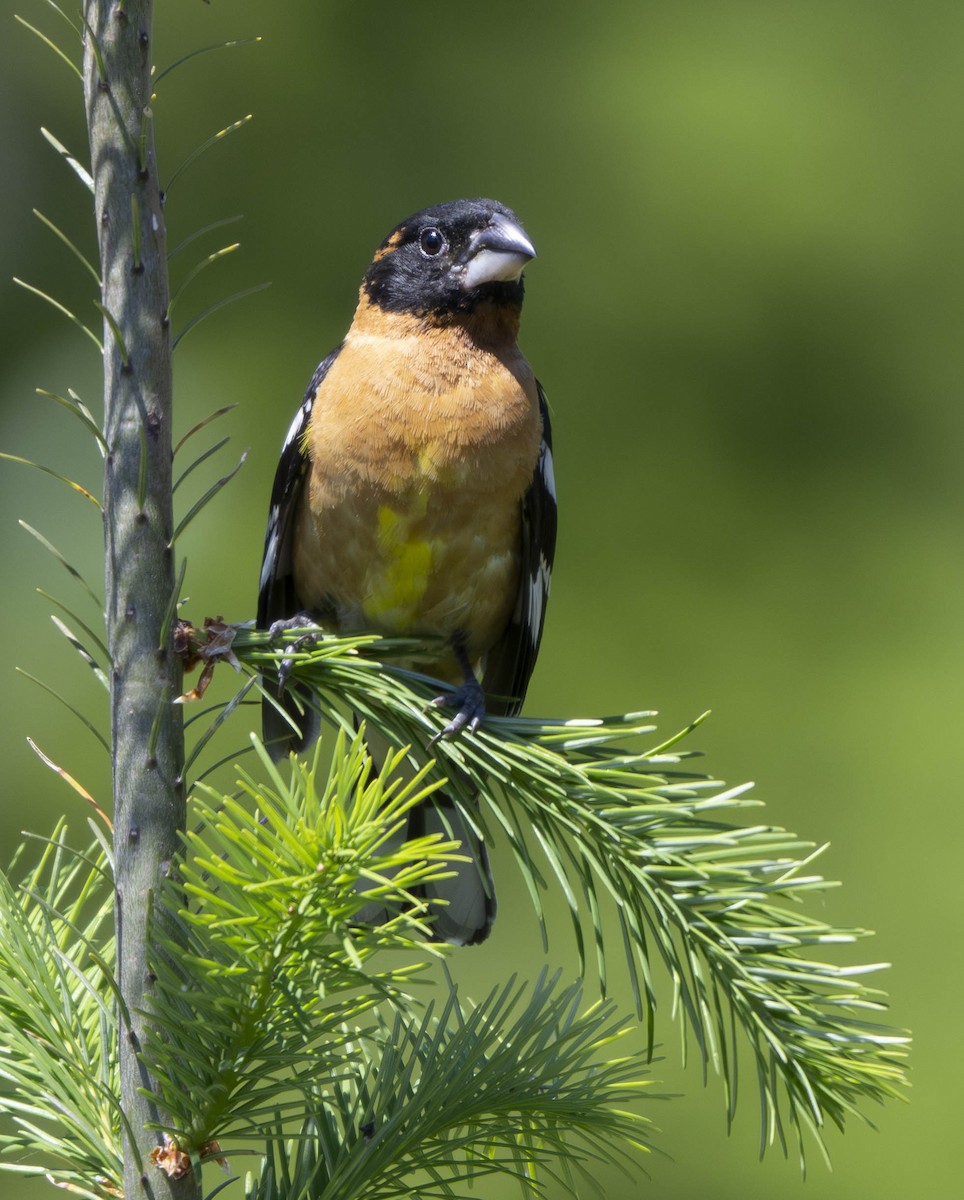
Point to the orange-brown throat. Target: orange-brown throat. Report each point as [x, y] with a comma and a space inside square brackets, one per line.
[488, 325]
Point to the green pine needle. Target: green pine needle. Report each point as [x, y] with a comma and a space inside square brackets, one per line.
[80, 410]
[216, 307]
[88, 724]
[203, 457]
[94, 661]
[51, 45]
[62, 237]
[68, 567]
[77, 487]
[198, 233]
[29, 287]
[77, 167]
[204, 50]
[209, 495]
[206, 145]
[202, 424]
[196, 270]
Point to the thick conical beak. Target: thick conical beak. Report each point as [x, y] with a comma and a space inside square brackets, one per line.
[497, 253]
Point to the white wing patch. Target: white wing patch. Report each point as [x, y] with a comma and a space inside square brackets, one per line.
[548, 474]
[538, 595]
[271, 547]
[275, 565]
[300, 423]
[540, 573]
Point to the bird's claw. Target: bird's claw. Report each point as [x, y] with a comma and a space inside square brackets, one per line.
[302, 620]
[469, 699]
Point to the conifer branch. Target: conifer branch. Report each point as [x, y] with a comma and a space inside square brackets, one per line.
[593, 807]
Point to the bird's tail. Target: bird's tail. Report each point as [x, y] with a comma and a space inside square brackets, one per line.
[463, 906]
[278, 734]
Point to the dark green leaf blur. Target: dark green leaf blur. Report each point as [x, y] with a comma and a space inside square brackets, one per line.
[746, 311]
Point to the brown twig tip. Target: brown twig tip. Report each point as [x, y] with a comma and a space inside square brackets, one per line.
[170, 1158]
[69, 779]
[212, 1150]
[209, 645]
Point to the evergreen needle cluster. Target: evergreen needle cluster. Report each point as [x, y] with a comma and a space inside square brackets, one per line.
[270, 1023]
[277, 1013]
[58, 1021]
[596, 809]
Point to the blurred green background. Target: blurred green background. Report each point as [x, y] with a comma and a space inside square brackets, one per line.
[746, 312]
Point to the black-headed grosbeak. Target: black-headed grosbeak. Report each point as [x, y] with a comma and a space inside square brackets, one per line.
[415, 492]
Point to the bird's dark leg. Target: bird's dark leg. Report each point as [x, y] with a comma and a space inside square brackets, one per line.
[301, 620]
[469, 699]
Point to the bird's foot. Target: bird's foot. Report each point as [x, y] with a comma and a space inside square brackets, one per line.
[302, 620]
[469, 700]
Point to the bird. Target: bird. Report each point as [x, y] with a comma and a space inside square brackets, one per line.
[415, 495]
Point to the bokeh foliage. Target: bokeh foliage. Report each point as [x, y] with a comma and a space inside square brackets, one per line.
[745, 312]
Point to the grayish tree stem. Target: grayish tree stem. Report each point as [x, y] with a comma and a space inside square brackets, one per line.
[146, 728]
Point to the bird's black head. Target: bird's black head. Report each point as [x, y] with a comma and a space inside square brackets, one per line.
[448, 259]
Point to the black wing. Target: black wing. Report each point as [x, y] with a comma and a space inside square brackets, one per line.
[277, 596]
[511, 660]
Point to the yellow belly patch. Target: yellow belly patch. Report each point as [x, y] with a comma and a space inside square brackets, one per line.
[398, 581]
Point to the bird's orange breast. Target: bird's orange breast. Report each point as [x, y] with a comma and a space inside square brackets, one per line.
[422, 443]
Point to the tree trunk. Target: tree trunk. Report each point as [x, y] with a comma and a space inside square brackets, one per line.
[146, 728]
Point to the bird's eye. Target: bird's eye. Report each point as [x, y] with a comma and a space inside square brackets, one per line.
[431, 242]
